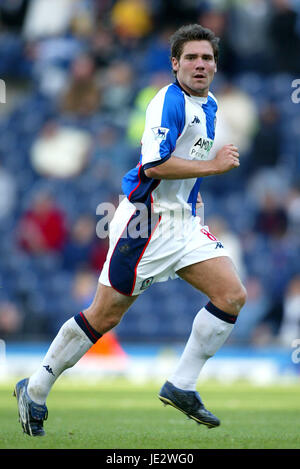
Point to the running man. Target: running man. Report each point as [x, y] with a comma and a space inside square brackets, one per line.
[175, 156]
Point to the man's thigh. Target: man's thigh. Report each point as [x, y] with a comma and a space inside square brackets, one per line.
[214, 277]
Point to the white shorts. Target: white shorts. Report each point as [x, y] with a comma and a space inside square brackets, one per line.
[143, 252]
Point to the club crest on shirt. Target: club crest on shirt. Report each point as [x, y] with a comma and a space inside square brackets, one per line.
[160, 133]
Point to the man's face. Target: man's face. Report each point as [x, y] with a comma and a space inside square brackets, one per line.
[196, 67]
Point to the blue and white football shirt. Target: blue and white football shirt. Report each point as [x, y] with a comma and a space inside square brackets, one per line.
[176, 124]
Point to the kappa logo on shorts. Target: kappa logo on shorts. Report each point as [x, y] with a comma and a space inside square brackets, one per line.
[219, 245]
[160, 133]
[146, 283]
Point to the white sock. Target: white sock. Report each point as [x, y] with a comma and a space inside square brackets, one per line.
[209, 333]
[67, 348]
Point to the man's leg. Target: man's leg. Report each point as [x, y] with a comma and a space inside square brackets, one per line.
[76, 336]
[73, 340]
[218, 279]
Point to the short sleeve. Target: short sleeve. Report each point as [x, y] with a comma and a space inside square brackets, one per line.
[165, 120]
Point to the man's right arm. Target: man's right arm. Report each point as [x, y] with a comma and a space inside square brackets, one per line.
[226, 159]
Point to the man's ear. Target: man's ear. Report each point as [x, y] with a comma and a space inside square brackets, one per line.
[175, 64]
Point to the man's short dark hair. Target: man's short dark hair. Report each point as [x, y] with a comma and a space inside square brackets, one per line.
[193, 32]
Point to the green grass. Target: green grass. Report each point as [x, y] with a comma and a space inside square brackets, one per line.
[119, 414]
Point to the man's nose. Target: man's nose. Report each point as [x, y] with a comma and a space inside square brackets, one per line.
[200, 64]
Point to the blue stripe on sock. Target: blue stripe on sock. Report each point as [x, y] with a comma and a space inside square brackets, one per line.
[87, 328]
[231, 318]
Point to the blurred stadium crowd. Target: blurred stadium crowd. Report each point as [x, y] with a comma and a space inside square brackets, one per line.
[78, 75]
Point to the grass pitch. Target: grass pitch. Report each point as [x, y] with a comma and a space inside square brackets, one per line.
[122, 415]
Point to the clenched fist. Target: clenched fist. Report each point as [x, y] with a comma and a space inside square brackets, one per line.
[227, 158]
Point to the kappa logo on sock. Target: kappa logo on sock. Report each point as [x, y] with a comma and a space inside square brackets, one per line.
[47, 367]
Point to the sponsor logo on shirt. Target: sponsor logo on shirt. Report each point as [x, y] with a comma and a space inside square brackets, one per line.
[160, 133]
[201, 148]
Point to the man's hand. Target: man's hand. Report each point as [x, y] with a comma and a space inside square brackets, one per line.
[226, 159]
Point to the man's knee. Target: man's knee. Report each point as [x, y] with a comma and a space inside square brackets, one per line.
[110, 321]
[231, 300]
[104, 319]
[236, 298]
[104, 316]
[107, 309]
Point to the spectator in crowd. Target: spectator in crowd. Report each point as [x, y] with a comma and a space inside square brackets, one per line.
[110, 155]
[156, 56]
[118, 89]
[42, 228]
[84, 285]
[52, 58]
[131, 20]
[60, 151]
[265, 149]
[83, 19]
[47, 18]
[285, 37]
[247, 25]
[271, 219]
[237, 118]
[99, 254]
[83, 249]
[11, 321]
[104, 46]
[82, 96]
[78, 248]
